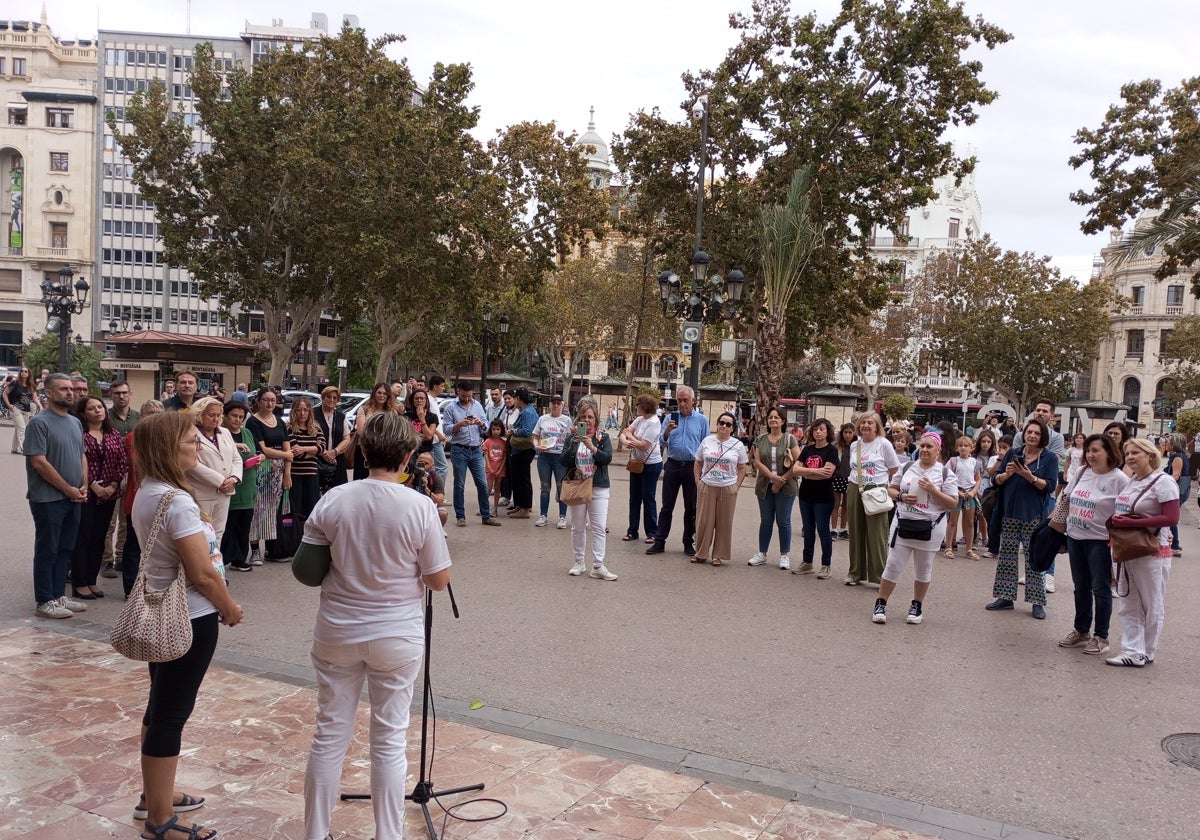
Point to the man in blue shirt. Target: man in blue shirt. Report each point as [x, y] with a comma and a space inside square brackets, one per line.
[681, 435]
[465, 423]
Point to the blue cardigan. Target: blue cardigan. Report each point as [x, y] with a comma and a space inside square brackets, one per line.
[1022, 500]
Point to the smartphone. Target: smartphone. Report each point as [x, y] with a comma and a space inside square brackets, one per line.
[675, 417]
[581, 429]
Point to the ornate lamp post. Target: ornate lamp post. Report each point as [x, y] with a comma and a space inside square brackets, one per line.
[486, 336]
[708, 299]
[62, 300]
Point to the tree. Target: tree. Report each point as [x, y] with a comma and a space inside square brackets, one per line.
[898, 406]
[1145, 155]
[1011, 322]
[1187, 423]
[1180, 358]
[42, 353]
[786, 240]
[863, 100]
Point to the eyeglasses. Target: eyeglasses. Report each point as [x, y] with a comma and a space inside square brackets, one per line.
[195, 441]
[725, 423]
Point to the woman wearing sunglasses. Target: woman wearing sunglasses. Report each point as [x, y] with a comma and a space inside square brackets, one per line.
[720, 470]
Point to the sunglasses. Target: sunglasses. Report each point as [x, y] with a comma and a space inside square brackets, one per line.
[725, 423]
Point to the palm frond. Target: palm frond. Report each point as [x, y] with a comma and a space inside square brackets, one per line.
[786, 238]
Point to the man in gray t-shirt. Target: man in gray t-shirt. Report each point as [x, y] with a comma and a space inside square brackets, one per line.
[56, 470]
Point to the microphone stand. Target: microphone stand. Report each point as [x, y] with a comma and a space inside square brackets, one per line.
[423, 791]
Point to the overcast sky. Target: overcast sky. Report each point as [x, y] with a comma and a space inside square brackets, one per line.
[550, 60]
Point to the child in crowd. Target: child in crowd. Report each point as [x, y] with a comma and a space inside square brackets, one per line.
[495, 457]
[985, 454]
[968, 476]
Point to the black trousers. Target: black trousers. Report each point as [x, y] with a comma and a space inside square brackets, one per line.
[89, 544]
[522, 482]
[678, 476]
[173, 689]
[235, 542]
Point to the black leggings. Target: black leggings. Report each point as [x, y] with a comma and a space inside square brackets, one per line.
[235, 542]
[173, 689]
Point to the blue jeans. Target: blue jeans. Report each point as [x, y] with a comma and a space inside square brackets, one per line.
[775, 509]
[1091, 567]
[439, 459]
[131, 560]
[469, 458]
[549, 466]
[815, 516]
[643, 492]
[55, 527]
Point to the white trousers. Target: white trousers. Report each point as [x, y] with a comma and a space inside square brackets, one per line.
[20, 421]
[591, 517]
[921, 552]
[390, 667]
[1141, 611]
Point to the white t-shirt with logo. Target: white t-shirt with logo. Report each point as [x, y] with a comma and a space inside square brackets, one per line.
[553, 431]
[876, 457]
[926, 507]
[1093, 500]
[720, 460]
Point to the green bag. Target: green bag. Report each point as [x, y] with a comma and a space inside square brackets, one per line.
[311, 563]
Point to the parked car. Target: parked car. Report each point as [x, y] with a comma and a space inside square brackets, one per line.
[287, 396]
[351, 402]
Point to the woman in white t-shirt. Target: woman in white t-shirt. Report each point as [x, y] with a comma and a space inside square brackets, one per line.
[1151, 500]
[167, 448]
[641, 436]
[720, 469]
[1093, 495]
[924, 491]
[385, 546]
[873, 462]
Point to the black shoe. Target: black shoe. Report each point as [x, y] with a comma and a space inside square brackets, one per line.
[656, 548]
[1039, 612]
[689, 549]
[1000, 604]
[241, 567]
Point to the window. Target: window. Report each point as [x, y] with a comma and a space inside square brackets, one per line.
[18, 67]
[59, 162]
[1135, 343]
[953, 232]
[60, 117]
[1, 65]
[1138, 296]
[17, 116]
[902, 232]
[616, 364]
[58, 234]
[174, 316]
[641, 364]
[1174, 295]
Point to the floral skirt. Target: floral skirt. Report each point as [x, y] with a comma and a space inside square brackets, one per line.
[266, 508]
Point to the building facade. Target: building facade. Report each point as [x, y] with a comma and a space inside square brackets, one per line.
[47, 144]
[1131, 363]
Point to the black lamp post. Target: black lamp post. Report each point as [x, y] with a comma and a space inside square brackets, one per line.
[62, 300]
[123, 327]
[486, 336]
[708, 299]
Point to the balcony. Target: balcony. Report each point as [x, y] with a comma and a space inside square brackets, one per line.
[65, 254]
[1131, 356]
[11, 252]
[1135, 309]
[1174, 309]
[892, 242]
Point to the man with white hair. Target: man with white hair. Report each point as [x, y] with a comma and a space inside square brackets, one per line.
[681, 435]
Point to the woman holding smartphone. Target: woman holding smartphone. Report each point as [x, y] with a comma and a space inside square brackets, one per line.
[589, 449]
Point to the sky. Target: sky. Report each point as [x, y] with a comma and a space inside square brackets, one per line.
[551, 61]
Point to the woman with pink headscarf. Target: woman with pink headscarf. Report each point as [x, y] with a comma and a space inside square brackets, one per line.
[925, 490]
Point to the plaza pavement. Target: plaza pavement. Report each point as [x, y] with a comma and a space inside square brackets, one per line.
[970, 725]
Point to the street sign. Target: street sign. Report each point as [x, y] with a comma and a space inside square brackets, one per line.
[686, 347]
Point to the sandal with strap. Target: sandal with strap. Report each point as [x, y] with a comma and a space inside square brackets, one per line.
[192, 831]
[186, 802]
[949, 553]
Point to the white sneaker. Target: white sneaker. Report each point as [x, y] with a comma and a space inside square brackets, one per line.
[1049, 583]
[757, 560]
[785, 563]
[807, 569]
[602, 573]
[71, 604]
[1021, 580]
[541, 522]
[577, 569]
[562, 523]
[53, 609]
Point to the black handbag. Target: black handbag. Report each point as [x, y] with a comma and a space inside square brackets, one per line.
[1044, 544]
[914, 529]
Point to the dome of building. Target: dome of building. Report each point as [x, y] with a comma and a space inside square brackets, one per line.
[598, 160]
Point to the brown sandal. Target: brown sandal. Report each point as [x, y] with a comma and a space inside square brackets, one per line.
[716, 562]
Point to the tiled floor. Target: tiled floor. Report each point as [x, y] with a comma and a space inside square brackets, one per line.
[69, 716]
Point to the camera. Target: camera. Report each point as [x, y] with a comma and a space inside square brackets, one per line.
[418, 478]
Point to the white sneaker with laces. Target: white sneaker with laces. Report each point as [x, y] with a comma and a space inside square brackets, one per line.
[562, 523]
[53, 609]
[602, 573]
[1049, 582]
[541, 522]
[71, 604]
[577, 569]
[1128, 660]
[785, 562]
[757, 560]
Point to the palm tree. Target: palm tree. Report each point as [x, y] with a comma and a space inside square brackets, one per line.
[1175, 230]
[786, 238]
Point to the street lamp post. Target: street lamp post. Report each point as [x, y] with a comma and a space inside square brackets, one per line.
[62, 300]
[708, 299]
[486, 336]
